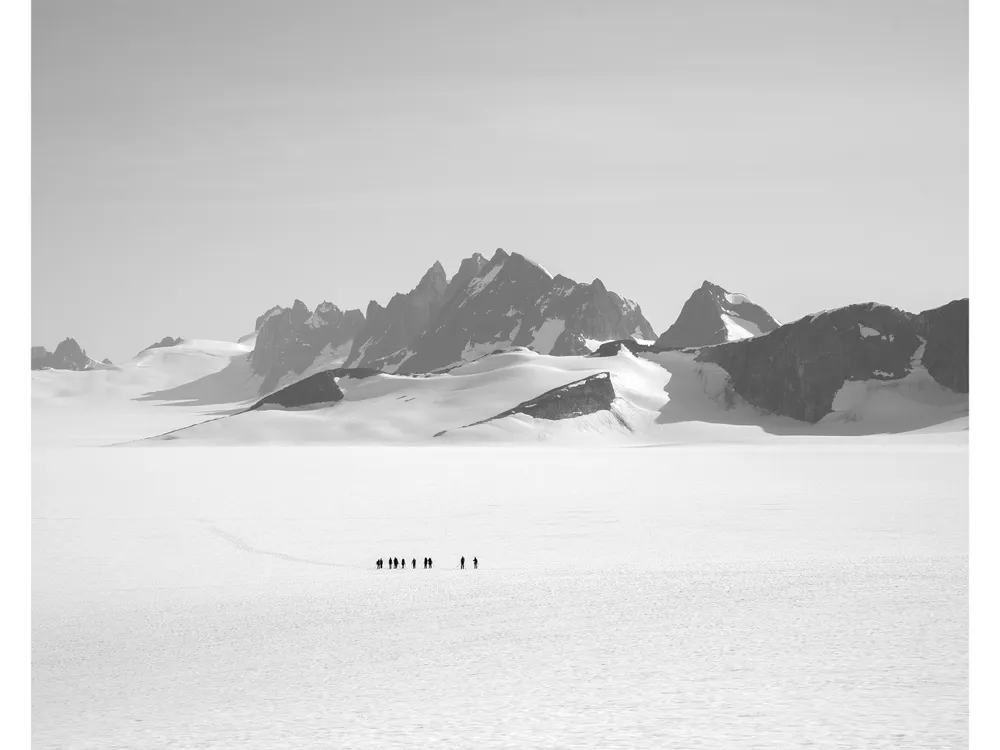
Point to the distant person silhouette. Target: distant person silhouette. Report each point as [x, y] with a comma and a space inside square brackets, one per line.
[462, 562]
[425, 563]
[475, 563]
[378, 564]
[404, 563]
[414, 563]
[395, 562]
[430, 562]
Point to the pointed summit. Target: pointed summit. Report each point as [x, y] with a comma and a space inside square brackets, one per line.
[713, 315]
[434, 275]
[392, 328]
[67, 356]
[467, 271]
[514, 302]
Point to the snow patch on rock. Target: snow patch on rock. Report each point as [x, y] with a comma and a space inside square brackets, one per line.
[867, 332]
[484, 281]
[546, 335]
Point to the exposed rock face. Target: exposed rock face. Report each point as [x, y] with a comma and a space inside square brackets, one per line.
[320, 388]
[165, 341]
[315, 390]
[512, 301]
[467, 271]
[276, 310]
[714, 316]
[585, 396]
[797, 369]
[946, 357]
[290, 339]
[67, 356]
[388, 329]
[612, 348]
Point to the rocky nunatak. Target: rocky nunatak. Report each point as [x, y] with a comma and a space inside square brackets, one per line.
[797, 369]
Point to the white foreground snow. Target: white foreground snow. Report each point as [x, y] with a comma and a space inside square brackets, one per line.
[796, 593]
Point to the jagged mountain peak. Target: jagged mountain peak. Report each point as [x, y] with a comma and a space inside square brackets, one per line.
[714, 315]
[434, 276]
[68, 355]
[391, 328]
[291, 339]
[513, 301]
[276, 310]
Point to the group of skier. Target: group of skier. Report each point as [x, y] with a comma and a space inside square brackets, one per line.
[395, 562]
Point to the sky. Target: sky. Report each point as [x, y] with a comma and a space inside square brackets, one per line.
[194, 164]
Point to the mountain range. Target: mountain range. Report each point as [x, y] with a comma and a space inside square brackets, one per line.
[806, 370]
[67, 356]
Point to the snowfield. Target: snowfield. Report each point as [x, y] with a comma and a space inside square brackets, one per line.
[691, 573]
[707, 596]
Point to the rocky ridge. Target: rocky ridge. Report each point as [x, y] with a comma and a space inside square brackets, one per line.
[513, 301]
[588, 395]
[67, 356]
[797, 369]
[291, 339]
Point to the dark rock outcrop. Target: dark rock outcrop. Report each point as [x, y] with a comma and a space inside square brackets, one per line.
[290, 339]
[316, 390]
[67, 356]
[585, 396]
[946, 330]
[320, 388]
[612, 348]
[713, 316]
[165, 341]
[797, 369]
[511, 302]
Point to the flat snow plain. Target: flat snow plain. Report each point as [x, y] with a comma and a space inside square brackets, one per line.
[790, 593]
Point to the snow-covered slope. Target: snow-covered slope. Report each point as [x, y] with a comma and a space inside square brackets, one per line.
[864, 369]
[713, 315]
[160, 388]
[520, 395]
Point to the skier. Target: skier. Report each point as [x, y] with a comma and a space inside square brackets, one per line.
[430, 562]
[395, 562]
[463, 563]
[425, 563]
[404, 563]
[414, 563]
[475, 563]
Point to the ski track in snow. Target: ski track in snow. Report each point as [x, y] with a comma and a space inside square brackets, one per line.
[241, 545]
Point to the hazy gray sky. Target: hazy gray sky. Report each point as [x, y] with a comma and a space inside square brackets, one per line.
[195, 163]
